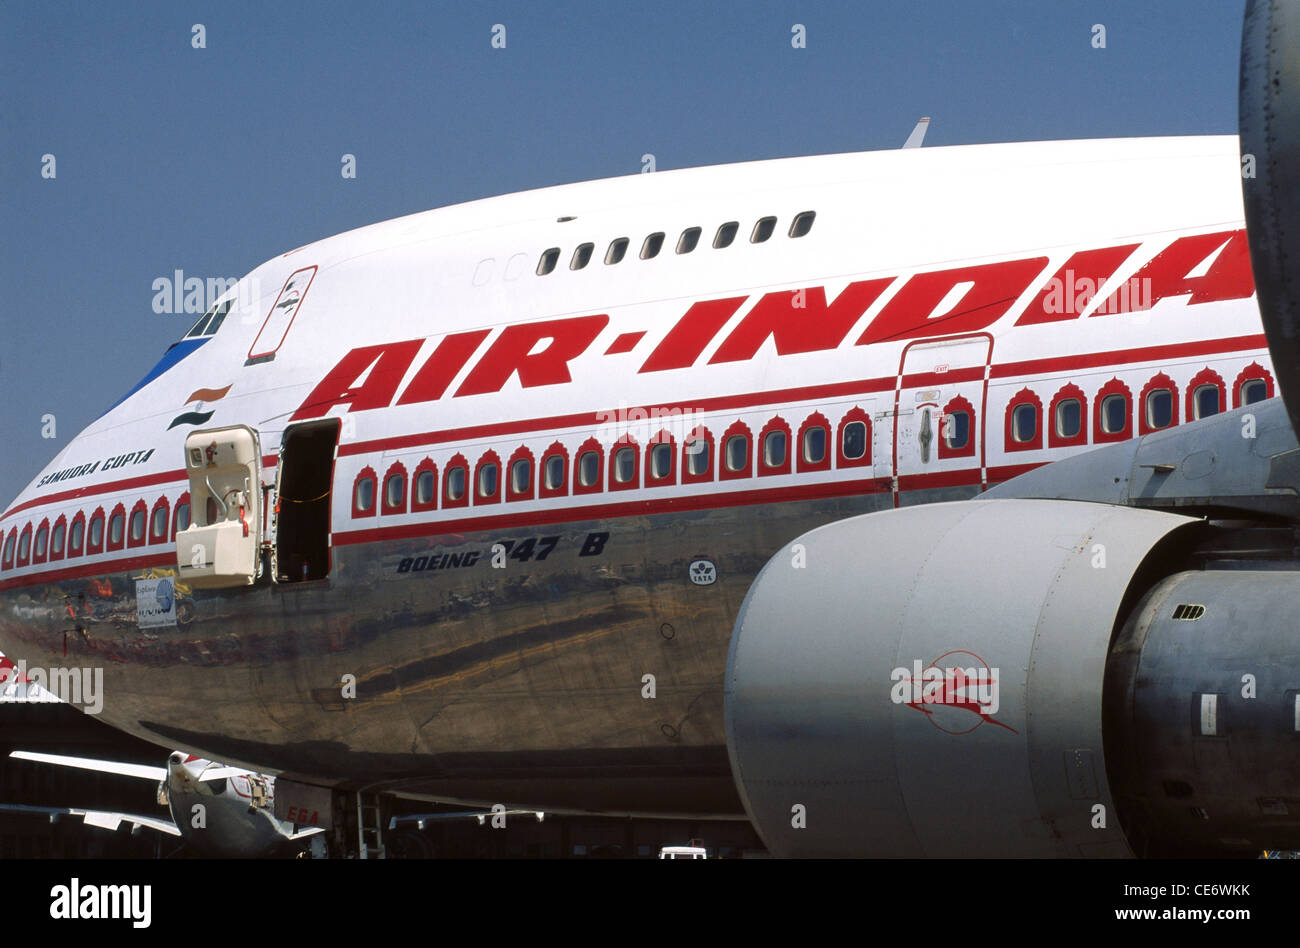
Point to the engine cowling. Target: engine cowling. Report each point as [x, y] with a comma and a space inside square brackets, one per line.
[842, 741]
[1017, 678]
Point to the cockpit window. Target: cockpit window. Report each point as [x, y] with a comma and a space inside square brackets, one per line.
[210, 321]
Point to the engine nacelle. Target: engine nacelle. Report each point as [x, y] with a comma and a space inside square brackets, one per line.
[928, 682]
[1203, 715]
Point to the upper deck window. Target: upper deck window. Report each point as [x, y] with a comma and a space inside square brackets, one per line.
[652, 245]
[581, 256]
[617, 248]
[725, 235]
[802, 223]
[548, 261]
[762, 230]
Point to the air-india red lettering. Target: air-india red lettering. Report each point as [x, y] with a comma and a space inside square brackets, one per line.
[796, 321]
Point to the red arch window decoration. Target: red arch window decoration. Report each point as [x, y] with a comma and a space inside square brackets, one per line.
[397, 467]
[78, 518]
[1207, 376]
[662, 437]
[855, 413]
[764, 470]
[956, 404]
[24, 553]
[182, 500]
[10, 549]
[627, 441]
[425, 466]
[1054, 438]
[1252, 371]
[141, 508]
[109, 544]
[40, 556]
[556, 450]
[1099, 434]
[801, 464]
[704, 434]
[1158, 381]
[747, 469]
[367, 472]
[530, 491]
[151, 536]
[489, 457]
[591, 444]
[98, 515]
[61, 521]
[1024, 397]
[457, 461]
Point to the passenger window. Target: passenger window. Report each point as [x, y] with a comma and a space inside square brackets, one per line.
[521, 476]
[617, 248]
[814, 445]
[42, 537]
[182, 517]
[56, 542]
[1069, 418]
[137, 526]
[774, 449]
[624, 465]
[394, 490]
[548, 261]
[956, 430]
[1253, 390]
[74, 538]
[1160, 408]
[653, 244]
[690, 237]
[158, 526]
[802, 223]
[424, 487]
[554, 472]
[854, 440]
[581, 256]
[1206, 401]
[487, 479]
[726, 235]
[588, 468]
[697, 457]
[737, 452]
[661, 461]
[762, 230]
[455, 482]
[115, 524]
[363, 501]
[1114, 414]
[1024, 423]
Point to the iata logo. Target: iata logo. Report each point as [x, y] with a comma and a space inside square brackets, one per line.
[953, 687]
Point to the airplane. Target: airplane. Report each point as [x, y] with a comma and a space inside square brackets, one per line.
[218, 810]
[850, 495]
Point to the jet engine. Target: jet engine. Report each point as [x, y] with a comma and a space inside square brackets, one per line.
[1014, 678]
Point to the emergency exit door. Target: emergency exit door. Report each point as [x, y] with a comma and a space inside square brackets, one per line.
[939, 417]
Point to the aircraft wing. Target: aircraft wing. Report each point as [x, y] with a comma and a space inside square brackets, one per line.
[142, 771]
[105, 819]
[421, 818]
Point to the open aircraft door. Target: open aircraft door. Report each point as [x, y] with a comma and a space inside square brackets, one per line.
[222, 545]
[939, 419]
[304, 488]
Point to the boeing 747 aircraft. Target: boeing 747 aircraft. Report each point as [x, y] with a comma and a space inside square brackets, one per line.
[845, 494]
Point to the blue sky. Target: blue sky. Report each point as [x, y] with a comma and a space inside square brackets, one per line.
[213, 160]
